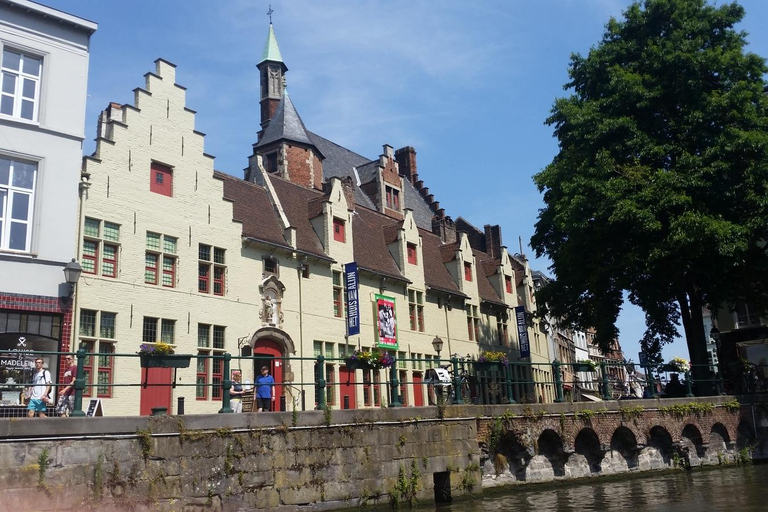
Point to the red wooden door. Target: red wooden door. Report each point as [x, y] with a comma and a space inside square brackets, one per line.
[404, 388]
[267, 353]
[418, 390]
[158, 390]
[347, 388]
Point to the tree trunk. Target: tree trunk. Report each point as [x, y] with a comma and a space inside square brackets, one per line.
[693, 324]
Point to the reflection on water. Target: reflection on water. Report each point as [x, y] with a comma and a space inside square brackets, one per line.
[726, 489]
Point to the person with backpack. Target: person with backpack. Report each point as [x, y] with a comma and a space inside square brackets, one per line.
[39, 391]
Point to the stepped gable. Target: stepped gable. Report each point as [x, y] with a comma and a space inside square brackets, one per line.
[435, 274]
[486, 268]
[370, 250]
[248, 202]
[295, 201]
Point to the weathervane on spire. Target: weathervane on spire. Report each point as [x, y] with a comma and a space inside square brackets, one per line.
[269, 13]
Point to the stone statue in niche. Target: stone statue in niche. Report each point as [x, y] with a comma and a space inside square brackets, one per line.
[271, 313]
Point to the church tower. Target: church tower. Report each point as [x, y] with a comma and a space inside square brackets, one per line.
[272, 77]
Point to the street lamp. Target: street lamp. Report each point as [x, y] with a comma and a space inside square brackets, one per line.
[437, 344]
[72, 271]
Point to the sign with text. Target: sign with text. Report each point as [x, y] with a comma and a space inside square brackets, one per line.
[522, 332]
[386, 322]
[353, 303]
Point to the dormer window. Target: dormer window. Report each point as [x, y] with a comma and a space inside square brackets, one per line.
[412, 257]
[468, 272]
[508, 284]
[393, 198]
[338, 230]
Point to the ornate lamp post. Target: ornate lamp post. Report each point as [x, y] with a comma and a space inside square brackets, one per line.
[437, 344]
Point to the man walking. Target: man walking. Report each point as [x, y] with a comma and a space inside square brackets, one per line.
[66, 403]
[265, 390]
[39, 391]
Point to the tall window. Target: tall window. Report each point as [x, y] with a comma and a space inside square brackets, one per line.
[416, 310]
[412, 254]
[467, 271]
[508, 284]
[502, 329]
[97, 335]
[17, 194]
[21, 84]
[271, 266]
[211, 269]
[393, 198]
[745, 315]
[210, 342]
[161, 179]
[473, 323]
[100, 248]
[338, 230]
[161, 249]
[338, 295]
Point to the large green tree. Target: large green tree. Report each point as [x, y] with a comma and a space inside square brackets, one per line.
[660, 186]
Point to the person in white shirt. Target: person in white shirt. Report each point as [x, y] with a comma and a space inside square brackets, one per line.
[39, 391]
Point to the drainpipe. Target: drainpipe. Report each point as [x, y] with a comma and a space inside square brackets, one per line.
[300, 269]
[83, 187]
[447, 325]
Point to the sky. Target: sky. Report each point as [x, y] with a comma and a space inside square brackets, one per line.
[467, 84]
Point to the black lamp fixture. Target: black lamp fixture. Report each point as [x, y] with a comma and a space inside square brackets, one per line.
[72, 271]
[437, 344]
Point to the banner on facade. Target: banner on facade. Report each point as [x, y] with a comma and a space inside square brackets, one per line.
[353, 304]
[522, 332]
[386, 321]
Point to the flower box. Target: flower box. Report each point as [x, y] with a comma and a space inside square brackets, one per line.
[584, 367]
[165, 360]
[487, 366]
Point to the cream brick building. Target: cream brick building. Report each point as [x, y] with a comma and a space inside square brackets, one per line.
[176, 251]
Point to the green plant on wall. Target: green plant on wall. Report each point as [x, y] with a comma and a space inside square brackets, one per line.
[43, 462]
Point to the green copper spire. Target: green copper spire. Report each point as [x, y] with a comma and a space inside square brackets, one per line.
[271, 50]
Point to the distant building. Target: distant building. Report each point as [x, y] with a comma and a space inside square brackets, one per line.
[44, 67]
[175, 251]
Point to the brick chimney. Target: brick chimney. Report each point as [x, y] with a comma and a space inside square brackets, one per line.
[348, 185]
[445, 228]
[493, 240]
[406, 159]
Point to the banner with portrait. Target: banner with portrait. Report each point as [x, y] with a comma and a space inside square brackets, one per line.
[386, 322]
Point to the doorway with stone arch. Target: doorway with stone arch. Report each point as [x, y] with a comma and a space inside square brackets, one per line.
[269, 347]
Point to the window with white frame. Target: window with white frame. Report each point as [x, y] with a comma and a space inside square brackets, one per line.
[97, 336]
[20, 91]
[17, 197]
[100, 247]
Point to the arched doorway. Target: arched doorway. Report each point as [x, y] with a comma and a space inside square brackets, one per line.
[271, 347]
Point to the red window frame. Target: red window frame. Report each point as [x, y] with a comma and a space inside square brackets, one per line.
[104, 259]
[395, 199]
[94, 259]
[338, 230]
[217, 376]
[170, 272]
[467, 271]
[508, 284]
[105, 368]
[218, 281]
[476, 324]
[412, 255]
[203, 278]
[151, 268]
[470, 330]
[376, 388]
[88, 366]
[338, 311]
[203, 374]
[367, 387]
[161, 179]
[420, 317]
[412, 315]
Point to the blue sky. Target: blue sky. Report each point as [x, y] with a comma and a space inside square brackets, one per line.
[467, 84]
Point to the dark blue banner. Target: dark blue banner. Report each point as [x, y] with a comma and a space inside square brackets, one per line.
[353, 302]
[522, 332]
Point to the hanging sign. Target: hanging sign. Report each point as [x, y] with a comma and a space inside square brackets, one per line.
[386, 322]
[353, 304]
[522, 332]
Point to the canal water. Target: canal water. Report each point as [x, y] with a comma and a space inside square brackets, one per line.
[738, 488]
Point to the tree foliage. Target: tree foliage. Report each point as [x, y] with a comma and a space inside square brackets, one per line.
[660, 186]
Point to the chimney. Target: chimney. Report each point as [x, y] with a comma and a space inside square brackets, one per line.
[114, 111]
[348, 186]
[444, 228]
[406, 159]
[493, 240]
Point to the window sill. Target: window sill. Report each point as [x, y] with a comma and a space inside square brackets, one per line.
[19, 120]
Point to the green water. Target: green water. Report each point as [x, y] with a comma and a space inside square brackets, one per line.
[743, 488]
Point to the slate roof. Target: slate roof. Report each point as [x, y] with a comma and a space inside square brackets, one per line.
[286, 125]
[248, 208]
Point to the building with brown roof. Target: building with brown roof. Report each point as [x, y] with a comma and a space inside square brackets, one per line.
[211, 263]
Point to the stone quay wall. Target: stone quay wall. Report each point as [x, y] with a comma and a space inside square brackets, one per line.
[346, 459]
